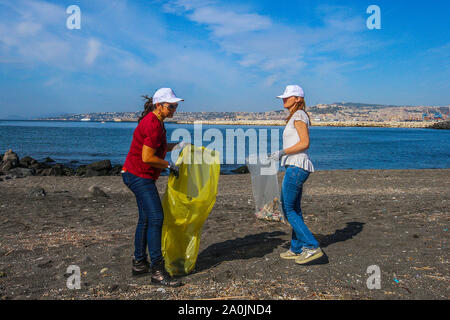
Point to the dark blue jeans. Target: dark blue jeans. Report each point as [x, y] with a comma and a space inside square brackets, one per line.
[151, 216]
[291, 195]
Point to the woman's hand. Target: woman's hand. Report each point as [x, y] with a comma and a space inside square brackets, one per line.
[175, 146]
[174, 169]
[276, 156]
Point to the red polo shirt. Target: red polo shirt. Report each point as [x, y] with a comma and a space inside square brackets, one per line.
[152, 133]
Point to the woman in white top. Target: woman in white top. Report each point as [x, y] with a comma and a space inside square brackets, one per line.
[294, 156]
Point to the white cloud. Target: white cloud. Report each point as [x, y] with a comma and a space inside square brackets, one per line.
[28, 28]
[226, 23]
[281, 51]
[121, 40]
[93, 51]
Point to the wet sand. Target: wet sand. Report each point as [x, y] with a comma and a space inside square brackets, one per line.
[395, 219]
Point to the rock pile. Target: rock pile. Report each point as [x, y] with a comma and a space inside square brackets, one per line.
[13, 167]
[441, 125]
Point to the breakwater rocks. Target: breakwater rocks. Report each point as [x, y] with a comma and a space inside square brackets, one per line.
[384, 124]
[441, 125]
[13, 167]
[282, 123]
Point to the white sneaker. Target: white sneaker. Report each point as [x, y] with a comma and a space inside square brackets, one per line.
[289, 255]
[309, 255]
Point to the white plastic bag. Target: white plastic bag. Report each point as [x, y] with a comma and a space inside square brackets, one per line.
[266, 191]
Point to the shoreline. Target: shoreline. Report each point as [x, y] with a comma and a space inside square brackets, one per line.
[278, 123]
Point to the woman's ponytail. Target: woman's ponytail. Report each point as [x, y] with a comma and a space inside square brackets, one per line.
[300, 105]
[148, 107]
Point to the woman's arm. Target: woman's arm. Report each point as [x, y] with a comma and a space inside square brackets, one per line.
[149, 157]
[303, 133]
[170, 146]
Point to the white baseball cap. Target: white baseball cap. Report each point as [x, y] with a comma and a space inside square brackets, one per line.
[165, 95]
[292, 91]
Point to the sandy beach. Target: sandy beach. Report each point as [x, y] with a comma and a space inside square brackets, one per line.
[396, 219]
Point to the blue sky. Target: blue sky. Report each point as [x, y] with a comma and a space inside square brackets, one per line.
[220, 55]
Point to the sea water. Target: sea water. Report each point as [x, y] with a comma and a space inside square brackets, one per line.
[331, 148]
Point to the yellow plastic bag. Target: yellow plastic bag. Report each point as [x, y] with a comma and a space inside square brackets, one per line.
[187, 203]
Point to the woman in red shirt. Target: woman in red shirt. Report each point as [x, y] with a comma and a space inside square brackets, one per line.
[141, 169]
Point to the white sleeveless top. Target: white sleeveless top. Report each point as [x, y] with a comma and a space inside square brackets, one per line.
[291, 138]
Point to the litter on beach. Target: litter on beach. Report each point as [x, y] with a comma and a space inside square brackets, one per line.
[271, 212]
[266, 192]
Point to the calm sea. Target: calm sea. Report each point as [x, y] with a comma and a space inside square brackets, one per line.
[331, 148]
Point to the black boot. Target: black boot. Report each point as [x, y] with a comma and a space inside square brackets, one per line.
[162, 277]
[140, 268]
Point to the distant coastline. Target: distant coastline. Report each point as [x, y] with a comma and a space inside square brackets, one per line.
[376, 124]
[384, 124]
[342, 114]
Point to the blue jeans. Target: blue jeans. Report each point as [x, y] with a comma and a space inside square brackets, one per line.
[151, 216]
[291, 195]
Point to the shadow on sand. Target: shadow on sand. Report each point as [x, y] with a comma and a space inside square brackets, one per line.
[251, 246]
[347, 233]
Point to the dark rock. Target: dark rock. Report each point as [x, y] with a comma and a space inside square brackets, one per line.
[100, 165]
[97, 192]
[45, 172]
[38, 192]
[38, 165]
[222, 276]
[46, 265]
[113, 287]
[74, 161]
[55, 171]
[6, 166]
[241, 170]
[116, 170]
[441, 125]
[92, 173]
[81, 171]
[21, 172]
[68, 171]
[58, 170]
[10, 156]
[48, 159]
[27, 162]
[9, 161]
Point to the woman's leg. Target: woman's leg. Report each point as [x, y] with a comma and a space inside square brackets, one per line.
[295, 242]
[149, 228]
[292, 189]
[288, 200]
[140, 236]
[152, 207]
